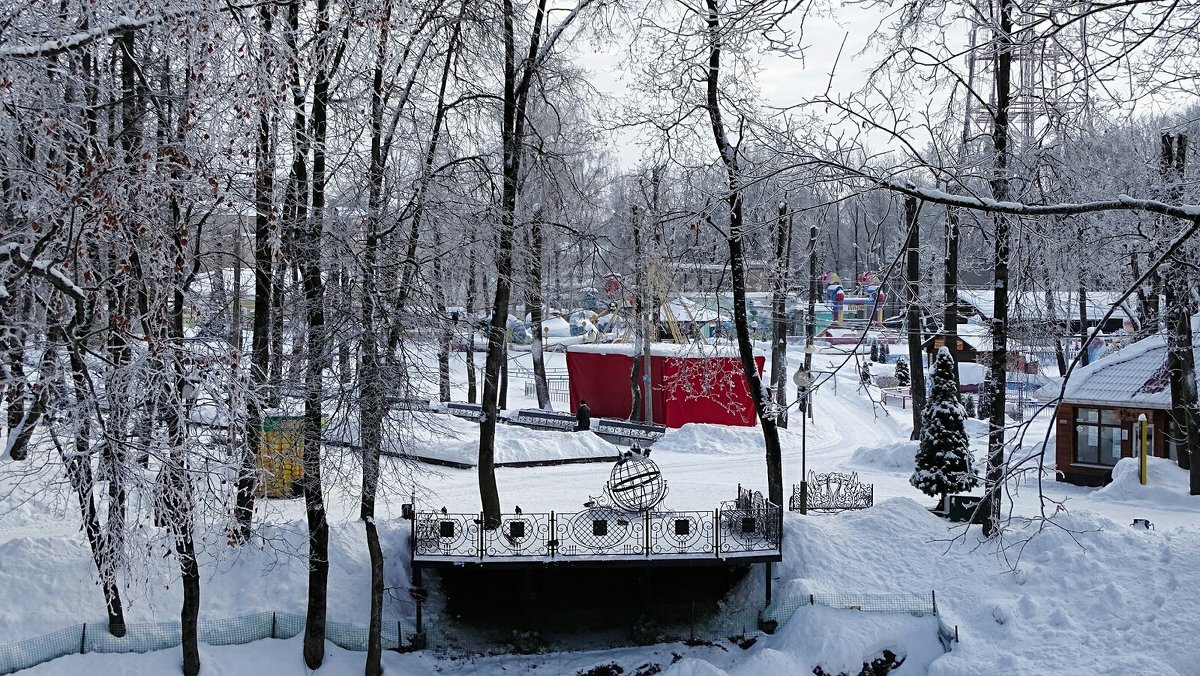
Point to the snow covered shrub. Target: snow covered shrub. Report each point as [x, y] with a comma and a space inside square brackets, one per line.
[943, 461]
[864, 374]
[876, 353]
[969, 406]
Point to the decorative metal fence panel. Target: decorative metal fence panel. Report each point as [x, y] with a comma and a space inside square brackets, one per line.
[143, 637]
[602, 532]
[447, 535]
[519, 535]
[833, 492]
[682, 533]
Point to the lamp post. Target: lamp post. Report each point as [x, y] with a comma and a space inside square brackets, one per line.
[803, 381]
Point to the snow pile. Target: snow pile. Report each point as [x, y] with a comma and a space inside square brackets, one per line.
[971, 374]
[279, 656]
[710, 439]
[518, 444]
[1077, 590]
[840, 641]
[50, 578]
[895, 457]
[1167, 485]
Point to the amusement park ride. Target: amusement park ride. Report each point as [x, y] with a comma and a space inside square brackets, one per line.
[859, 307]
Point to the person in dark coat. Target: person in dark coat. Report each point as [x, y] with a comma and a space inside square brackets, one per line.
[583, 417]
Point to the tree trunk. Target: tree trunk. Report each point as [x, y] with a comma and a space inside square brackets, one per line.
[518, 78]
[264, 186]
[737, 263]
[472, 393]
[779, 324]
[12, 342]
[1057, 331]
[371, 402]
[639, 300]
[536, 315]
[445, 331]
[1181, 306]
[278, 280]
[1181, 364]
[502, 396]
[314, 296]
[994, 485]
[912, 274]
[950, 290]
[79, 473]
[1081, 279]
[810, 317]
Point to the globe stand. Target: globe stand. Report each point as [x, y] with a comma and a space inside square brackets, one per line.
[636, 484]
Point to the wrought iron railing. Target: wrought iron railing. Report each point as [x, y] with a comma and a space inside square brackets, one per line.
[735, 530]
[832, 492]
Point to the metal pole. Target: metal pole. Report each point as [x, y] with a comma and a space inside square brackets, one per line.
[419, 598]
[804, 455]
[1142, 466]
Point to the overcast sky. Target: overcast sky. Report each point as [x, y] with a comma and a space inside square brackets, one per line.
[783, 81]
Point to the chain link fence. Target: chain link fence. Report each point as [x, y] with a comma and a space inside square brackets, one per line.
[545, 630]
[150, 636]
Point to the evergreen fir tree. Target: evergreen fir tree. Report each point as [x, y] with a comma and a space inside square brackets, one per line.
[884, 351]
[864, 374]
[874, 351]
[903, 379]
[969, 405]
[943, 462]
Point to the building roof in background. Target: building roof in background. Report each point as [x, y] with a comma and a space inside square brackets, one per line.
[976, 336]
[1031, 306]
[1135, 375]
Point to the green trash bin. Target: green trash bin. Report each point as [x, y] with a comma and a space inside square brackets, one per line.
[962, 508]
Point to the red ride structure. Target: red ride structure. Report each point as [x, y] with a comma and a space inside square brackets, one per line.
[689, 383]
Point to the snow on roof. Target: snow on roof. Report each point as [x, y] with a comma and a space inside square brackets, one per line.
[1135, 375]
[1031, 306]
[978, 337]
[688, 350]
[685, 310]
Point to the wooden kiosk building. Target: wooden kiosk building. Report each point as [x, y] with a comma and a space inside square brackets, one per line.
[1097, 420]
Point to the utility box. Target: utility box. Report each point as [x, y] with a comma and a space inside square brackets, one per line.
[961, 508]
[281, 456]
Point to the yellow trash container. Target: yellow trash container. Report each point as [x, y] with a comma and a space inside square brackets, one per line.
[281, 455]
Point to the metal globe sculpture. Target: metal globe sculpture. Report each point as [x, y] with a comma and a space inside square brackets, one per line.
[635, 483]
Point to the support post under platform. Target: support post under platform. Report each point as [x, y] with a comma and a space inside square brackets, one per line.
[767, 570]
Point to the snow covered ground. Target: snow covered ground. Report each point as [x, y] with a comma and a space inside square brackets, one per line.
[1084, 593]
